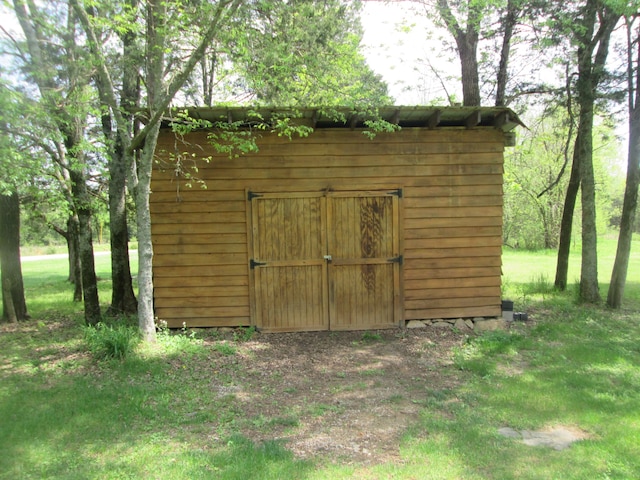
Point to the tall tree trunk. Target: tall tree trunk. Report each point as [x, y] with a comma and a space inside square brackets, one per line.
[92, 314]
[508, 23]
[146, 319]
[630, 203]
[13, 301]
[592, 33]
[467, 46]
[123, 300]
[566, 224]
[73, 247]
[589, 288]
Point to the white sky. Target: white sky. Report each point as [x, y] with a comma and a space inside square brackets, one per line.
[397, 46]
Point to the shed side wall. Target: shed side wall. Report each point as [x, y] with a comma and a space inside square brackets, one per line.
[451, 216]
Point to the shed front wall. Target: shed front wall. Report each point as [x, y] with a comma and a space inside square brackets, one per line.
[450, 216]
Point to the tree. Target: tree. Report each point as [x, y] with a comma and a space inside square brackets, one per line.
[13, 300]
[590, 28]
[533, 193]
[13, 169]
[164, 23]
[58, 70]
[630, 202]
[306, 54]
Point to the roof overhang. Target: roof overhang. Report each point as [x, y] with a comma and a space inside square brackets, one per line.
[344, 117]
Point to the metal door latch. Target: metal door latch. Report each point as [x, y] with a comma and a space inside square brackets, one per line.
[328, 258]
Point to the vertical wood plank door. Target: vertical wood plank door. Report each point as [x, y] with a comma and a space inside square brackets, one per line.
[364, 269]
[288, 242]
[326, 260]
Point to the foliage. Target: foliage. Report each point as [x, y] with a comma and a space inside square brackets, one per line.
[106, 341]
[536, 177]
[244, 334]
[308, 55]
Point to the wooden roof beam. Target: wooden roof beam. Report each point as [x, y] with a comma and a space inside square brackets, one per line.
[395, 118]
[473, 120]
[501, 119]
[434, 119]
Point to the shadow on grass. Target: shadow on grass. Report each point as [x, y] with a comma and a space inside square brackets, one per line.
[62, 415]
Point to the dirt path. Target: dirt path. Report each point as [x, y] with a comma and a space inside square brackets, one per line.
[342, 394]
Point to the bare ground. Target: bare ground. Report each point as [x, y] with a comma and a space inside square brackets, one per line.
[347, 395]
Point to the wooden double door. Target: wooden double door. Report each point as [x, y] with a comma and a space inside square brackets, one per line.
[326, 260]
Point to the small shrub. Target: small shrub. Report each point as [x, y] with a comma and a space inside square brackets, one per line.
[244, 334]
[225, 349]
[111, 341]
[371, 337]
[182, 341]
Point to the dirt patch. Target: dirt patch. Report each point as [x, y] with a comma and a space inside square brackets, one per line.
[347, 395]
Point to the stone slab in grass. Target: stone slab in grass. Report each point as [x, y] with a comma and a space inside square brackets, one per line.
[558, 438]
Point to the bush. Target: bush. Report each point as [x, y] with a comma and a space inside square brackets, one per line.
[111, 341]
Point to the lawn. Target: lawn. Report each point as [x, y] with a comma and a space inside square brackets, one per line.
[388, 404]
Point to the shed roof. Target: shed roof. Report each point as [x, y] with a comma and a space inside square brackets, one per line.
[345, 117]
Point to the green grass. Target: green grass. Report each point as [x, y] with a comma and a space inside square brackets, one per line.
[64, 414]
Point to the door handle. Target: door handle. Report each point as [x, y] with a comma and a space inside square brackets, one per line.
[328, 258]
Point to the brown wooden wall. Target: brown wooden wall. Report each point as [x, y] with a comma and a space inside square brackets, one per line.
[450, 216]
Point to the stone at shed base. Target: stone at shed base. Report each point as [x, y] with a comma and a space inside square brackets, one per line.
[441, 324]
[415, 324]
[488, 324]
[462, 325]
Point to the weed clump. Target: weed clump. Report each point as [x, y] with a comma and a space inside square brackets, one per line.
[111, 341]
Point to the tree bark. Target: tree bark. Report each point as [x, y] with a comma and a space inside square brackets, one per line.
[508, 23]
[92, 314]
[123, 300]
[589, 288]
[630, 202]
[566, 224]
[467, 45]
[75, 265]
[13, 300]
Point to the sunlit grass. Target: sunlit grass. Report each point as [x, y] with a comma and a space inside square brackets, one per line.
[64, 414]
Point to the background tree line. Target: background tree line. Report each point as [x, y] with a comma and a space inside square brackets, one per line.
[90, 81]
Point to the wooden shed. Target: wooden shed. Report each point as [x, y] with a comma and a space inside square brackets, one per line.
[335, 231]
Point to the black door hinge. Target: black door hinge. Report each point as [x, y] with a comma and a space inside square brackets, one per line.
[399, 260]
[251, 195]
[253, 264]
[397, 193]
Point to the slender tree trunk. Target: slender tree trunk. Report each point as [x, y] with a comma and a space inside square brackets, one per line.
[92, 312]
[13, 301]
[73, 247]
[146, 319]
[123, 300]
[508, 23]
[566, 224]
[589, 288]
[630, 203]
[467, 47]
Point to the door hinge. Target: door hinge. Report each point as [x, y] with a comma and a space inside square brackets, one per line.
[253, 264]
[397, 193]
[251, 195]
[399, 260]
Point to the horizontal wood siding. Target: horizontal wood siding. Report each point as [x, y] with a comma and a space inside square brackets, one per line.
[450, 216]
